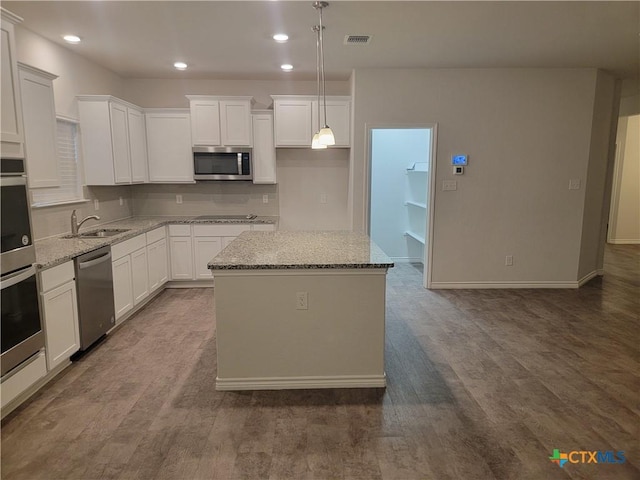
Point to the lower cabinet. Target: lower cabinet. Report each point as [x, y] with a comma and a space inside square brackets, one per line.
[204, 249]
[139, 268]
[59, 313]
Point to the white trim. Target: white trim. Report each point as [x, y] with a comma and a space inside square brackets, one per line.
[624, 241]
[286, 383]
[407, 260]
[65, 118]
[480, 285]
[590, 276]
[189, 284]
[57, 204]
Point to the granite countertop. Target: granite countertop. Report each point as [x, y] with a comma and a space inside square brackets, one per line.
[56, 250]
[300, 250]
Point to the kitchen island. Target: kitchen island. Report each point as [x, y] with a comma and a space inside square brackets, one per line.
[300, 310]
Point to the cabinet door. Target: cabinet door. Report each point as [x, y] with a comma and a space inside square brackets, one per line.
[169, 147]
[205, 248]
[181, 254]
[157, 257]
[60, 314]
[338, 118]
[120, 143]
[226, 241]
[122, 286]
[40, 136]
[292, 120]
[264, 151]
[11, 122]
[205, 122]
[137, 146]
[235, 122]
[139, 275]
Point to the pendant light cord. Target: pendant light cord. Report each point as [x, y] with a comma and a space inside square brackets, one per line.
[324, 92]
[318, 29]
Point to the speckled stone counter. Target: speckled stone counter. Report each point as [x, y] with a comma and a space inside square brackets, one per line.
[300, 310]
[56, 250]
[300, 250]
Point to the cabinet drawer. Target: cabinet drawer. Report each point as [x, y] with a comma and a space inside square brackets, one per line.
[179, 230]
[155, 235]
[20, 381]
[219, 230]
[56, 276]
[121, 249]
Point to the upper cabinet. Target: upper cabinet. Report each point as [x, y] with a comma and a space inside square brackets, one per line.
[264, 151]
[220, 121]
[39, 115]
[12, 140]
[296, 119]
[169, 145]
[113, 141]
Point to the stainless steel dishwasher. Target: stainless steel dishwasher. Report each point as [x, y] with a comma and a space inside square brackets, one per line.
[94, 281]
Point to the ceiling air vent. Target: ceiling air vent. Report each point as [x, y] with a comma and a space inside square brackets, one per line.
[357, 39]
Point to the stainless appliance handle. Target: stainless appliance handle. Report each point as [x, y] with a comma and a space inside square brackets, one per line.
[95, 261]
[239, 163]
[16, 277]
[13, 181]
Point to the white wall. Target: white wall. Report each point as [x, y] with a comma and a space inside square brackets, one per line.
[624, 224]
[392, 152]
[526, 131]
[304, 175]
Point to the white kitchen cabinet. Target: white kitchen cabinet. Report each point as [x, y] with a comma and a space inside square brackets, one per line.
[59, 313]
[11, 127]
[139, 275]
[264, 150]
[23, 378]
[220, 121]
[169, 146]
[113, 141]
[204, 249]
[157, 258]
[122, 286]
[296, 119]
[181, 252]
[39, 116]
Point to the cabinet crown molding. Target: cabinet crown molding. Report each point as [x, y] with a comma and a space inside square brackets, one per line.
[37, 71]
[222, 97]
[107, 98]
[311, 97]
[10, 16]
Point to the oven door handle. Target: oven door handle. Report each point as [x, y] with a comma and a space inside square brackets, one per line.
[94, 261]
[13, 181]
[16, 277]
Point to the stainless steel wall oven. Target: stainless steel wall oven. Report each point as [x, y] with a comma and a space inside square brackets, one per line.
[21, 327]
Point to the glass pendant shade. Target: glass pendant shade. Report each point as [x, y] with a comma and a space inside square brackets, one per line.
[326, 136]
[315, 142]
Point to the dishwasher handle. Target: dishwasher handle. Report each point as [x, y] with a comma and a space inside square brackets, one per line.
[95, 261]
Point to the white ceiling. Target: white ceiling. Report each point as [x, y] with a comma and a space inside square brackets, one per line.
[232, 39]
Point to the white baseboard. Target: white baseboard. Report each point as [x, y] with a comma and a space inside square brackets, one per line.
[590, 276]
[406, 259]
[189, 284]
[290, 383]
[625, 241]
[480, 285]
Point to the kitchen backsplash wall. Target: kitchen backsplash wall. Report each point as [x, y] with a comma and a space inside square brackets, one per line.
[204, 198]
[56, 220]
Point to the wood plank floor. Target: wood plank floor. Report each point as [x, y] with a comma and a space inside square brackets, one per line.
[482, 384]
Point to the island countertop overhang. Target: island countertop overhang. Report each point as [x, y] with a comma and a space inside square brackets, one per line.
[286, 250]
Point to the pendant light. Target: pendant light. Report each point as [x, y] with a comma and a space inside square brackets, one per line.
[325, 134]
[315, 142]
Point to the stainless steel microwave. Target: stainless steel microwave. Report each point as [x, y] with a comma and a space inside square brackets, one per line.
[222, 163]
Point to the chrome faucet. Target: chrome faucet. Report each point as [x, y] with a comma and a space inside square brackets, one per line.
[75, 226]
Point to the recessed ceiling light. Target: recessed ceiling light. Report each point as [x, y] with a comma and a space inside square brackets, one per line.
[281, 37]
[180, 66]
[74, 39]
[286, 67]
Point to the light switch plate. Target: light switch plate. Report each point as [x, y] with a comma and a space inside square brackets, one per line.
[449, 185]
[574, 184]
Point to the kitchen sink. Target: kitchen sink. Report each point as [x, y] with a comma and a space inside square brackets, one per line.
[250, 216]
[100, 233]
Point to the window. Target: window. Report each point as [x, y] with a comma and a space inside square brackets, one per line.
[70, 189]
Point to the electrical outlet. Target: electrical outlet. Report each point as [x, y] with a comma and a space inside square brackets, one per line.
[178, 199]
[265, 198]
[302, 301]
[323, 198]
[449, 185]
[508, 260]
[121, 201]
[574, 184]
[96, 204]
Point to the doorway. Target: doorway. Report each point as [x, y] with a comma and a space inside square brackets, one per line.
[401, 192]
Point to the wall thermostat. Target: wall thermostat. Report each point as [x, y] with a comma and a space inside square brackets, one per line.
[458, 160]
[458, 169]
